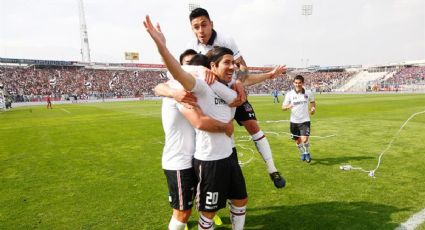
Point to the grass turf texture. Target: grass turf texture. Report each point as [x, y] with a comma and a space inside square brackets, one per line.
[98, 166]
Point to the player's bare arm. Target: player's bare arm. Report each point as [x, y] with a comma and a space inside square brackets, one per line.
[252, 79]
[312, 107]
[286, 107]
[199, 120]
[181, 96]
[241, 98]
[185, 78]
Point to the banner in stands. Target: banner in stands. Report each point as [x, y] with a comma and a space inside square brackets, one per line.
[35, 62]
[131, 56]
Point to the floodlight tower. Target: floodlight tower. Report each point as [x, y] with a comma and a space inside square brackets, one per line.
[193, 4]
[85, 49]
[306, 10]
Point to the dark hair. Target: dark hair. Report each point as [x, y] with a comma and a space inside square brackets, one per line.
[198, 12]
[186, 53]
[216, 54]
[200, 59]
[299, 77]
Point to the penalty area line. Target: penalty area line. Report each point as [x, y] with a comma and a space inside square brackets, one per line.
[413, 222]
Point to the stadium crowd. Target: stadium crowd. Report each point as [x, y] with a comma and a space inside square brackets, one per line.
[402, 79]
[32, 84]
[317, 81]
[406, 76]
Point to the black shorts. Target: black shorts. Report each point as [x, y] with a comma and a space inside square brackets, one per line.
[181, 188]
[300, 129]
[237, 187]
[218, 181]
[244, 112]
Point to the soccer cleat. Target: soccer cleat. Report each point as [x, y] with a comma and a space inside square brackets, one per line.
[278, 180]
[303, 156]
[307, 158]
[217, 220]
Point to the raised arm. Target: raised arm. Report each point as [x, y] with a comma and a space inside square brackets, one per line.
[252, 79]
[187, 80]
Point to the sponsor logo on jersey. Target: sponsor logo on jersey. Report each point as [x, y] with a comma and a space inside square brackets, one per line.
[219, 101]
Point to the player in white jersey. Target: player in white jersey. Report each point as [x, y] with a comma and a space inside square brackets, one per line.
[178, 152]
[206, 39]
[212, 149]
[301, 103]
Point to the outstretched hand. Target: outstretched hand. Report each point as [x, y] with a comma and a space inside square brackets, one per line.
[154, 32]
[278, 70]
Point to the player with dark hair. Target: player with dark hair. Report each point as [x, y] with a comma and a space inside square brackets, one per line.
[179, 147]
[219, 174]
[186, 56]
[205, 39]
[298, 101]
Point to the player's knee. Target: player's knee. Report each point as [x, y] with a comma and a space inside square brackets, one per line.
[182, 215]
[239, 202]
[251, 126]
[209, 215]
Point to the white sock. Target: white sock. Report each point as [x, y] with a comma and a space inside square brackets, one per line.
[307, 147]
[175, 224]
[205, 223]
[263, 148]
[237, 216]
[301, 148]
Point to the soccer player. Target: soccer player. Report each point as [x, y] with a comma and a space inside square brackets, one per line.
[186, 56]
[298, 101]
[206, 39]
[275, 95]
[219, 174]
[49, 102]
[179, 149]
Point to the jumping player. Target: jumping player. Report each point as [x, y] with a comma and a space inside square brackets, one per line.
[206, 39]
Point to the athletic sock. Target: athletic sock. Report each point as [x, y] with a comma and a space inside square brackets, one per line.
[237, 216]
[205, 223]
[263, 148]
[301, 148]
[176, 225]
[307, 147]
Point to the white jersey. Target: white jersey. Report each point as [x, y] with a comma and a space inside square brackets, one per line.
[217, 39]
[199, 72]
[300, 101]
[212, 146]
[179, 145]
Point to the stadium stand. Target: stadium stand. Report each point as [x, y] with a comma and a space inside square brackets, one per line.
[27, 80]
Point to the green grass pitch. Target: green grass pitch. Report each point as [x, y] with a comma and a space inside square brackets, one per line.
[98, 166]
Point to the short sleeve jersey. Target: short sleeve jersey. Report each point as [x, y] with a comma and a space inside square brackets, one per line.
[212, 146]
[300, 101]
[179, 146]
[217, 39]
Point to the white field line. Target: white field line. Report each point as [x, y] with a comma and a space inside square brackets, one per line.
[413, 222]
[66, 111]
